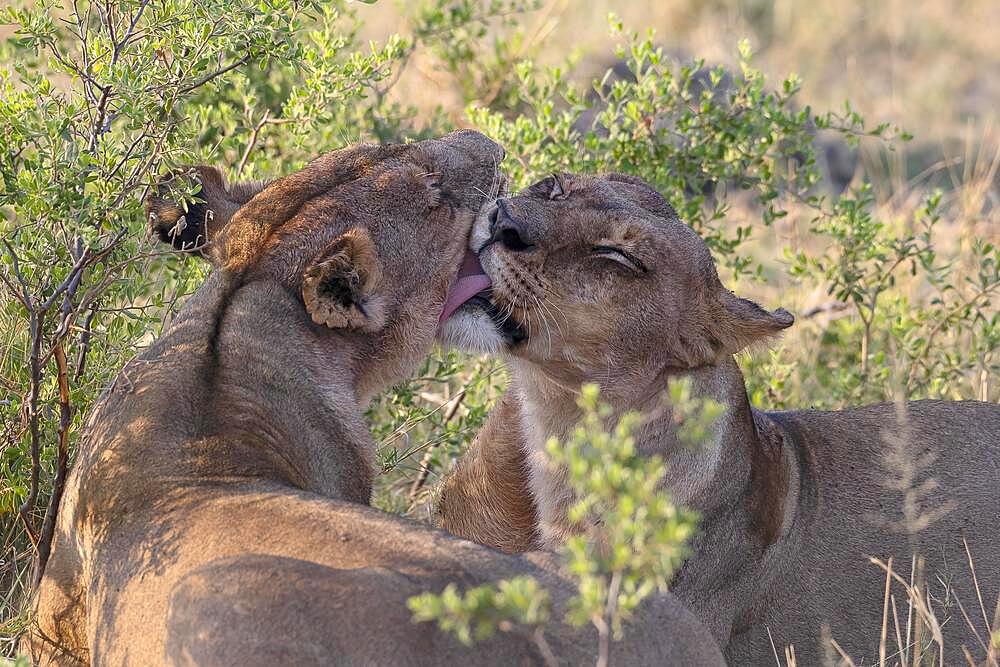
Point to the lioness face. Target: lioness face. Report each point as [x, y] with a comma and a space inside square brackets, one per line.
[595, 279]
[370, 237]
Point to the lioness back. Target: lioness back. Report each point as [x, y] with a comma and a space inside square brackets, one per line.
[891, 480]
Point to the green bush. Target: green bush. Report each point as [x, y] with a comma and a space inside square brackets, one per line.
[98, 99]
[632, 542]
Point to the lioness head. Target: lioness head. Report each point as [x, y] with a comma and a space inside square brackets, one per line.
[369, 238]
[595, 279]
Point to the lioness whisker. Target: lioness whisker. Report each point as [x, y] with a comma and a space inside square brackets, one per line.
[542, 310]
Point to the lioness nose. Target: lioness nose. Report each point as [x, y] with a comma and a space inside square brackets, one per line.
[508, 230]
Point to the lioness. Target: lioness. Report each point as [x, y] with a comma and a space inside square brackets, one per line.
[597, 280]
[217, 512]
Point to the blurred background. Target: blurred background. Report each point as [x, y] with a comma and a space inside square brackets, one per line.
[932, 67]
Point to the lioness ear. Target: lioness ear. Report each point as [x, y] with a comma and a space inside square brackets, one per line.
[191, 224]
[339, 287]
[742, 323]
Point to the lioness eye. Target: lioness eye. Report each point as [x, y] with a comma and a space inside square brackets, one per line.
[620, 256]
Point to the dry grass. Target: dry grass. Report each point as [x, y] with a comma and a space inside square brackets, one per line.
[912, 621]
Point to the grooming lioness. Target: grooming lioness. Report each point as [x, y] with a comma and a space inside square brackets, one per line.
[217, 512]
[596, 280]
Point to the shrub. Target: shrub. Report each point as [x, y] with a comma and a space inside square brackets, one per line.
[631, 542]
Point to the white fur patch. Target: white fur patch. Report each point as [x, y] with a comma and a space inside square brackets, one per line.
[472, 330]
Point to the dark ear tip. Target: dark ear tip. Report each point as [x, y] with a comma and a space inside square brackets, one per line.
[783, 318]
[181, 225]
[173, 225]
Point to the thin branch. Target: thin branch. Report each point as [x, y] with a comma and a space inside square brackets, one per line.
[15, 292]
[885, 614]
[425, 461]
[603, 622]
[130, 151]
[975, 582]
[543, 647]
[77, 253]
[991, 655]
[36, 319]
[37, 314]
[72, 282]
[774, 649]
[71, 279]
[217, 73]
[128, 33]
[62, 463]
[101, 123]
[81, 358]
[25, 292]
[82, 30]
[108, 21]
[946, 320]
[252, 142]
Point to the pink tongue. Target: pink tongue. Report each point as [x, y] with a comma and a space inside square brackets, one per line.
[470, 282]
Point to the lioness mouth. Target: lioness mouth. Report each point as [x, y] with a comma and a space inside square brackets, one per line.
[474, 287]
[471, 281]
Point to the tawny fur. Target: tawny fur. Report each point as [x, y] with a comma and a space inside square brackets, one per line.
[792, 504]
[217, 510]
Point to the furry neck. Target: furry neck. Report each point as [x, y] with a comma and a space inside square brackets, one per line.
[726, 471]
[269, 397]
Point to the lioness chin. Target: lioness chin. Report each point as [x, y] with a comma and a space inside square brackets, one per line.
[217, 511]
[595, 279]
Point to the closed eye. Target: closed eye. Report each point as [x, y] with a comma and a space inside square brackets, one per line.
[620, 256]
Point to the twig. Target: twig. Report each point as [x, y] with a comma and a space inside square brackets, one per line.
[543, 646]
[81, 358]
[827, 307]
[35, 382]
[774, 648]
[100, 122]
[790, 659]
[968, 621]
[910, 608]
[15, 292]
[975, 581]
[425, 461]
[843, 654]
[991, 654]
[62, 462]
[885, 613]
[946, 320]
[36, 314]
[128, 33]
[266, 120]
[81, 33]
[67, 307]
[217, 73]
[25, 292]
[72, 280]
[903, 648]
[603, 623]
[130, 151]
